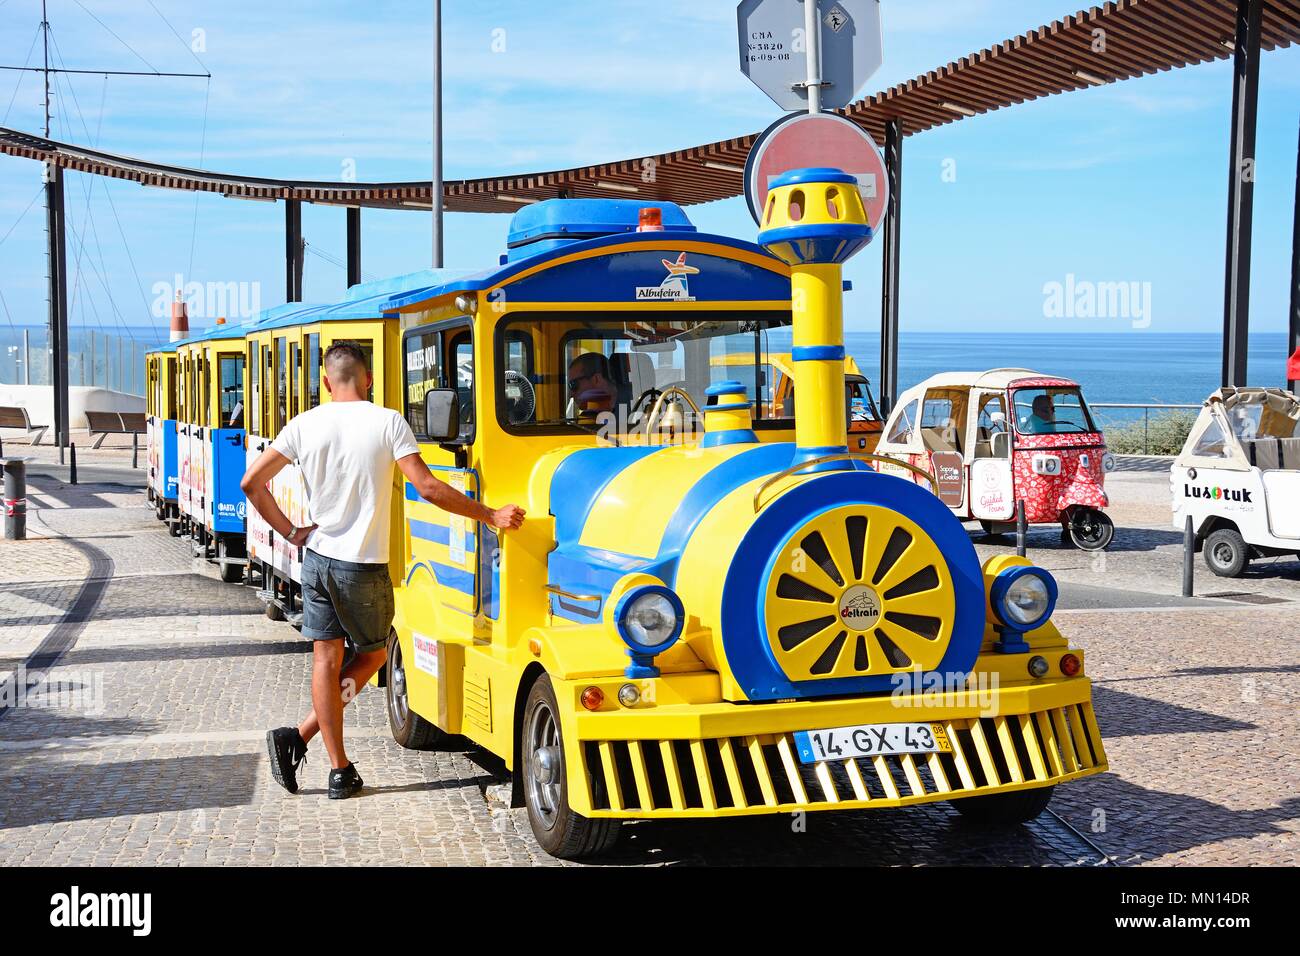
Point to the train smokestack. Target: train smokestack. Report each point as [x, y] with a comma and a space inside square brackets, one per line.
[814, 221]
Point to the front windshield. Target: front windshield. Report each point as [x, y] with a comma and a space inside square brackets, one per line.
[621, 374]
[1051, 411]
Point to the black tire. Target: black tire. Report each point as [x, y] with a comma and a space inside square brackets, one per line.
[274, 612]
[230, 573]
[1091, 530]
[1226, 553]
[1005, 809]
[993, 529]
[410, 730]
[561, 832]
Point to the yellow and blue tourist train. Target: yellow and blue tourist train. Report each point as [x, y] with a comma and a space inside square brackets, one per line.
[714, 608]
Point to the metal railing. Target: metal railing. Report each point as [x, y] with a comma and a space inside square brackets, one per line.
[95, 358]
[1145, 417]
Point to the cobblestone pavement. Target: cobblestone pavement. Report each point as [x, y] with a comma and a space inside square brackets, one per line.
[145, 743]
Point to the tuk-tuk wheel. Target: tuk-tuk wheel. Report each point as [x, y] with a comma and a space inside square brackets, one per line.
[995, 529]
[410, 730]
[1090, 529]
[561, 832]
[1226, 553]
[1005, 809]
[274, 612]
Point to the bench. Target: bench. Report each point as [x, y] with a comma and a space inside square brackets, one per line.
[14, 416]
[104, 424]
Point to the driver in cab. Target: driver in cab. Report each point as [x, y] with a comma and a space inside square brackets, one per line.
[590, 387]
[1042, 417]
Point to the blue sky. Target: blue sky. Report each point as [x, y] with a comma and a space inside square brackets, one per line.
[1125, 183]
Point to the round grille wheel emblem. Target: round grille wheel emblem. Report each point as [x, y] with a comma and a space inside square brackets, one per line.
[858, 590]
[860, 608]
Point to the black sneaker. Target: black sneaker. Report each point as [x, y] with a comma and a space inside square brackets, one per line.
[345, 783]
[287, 751]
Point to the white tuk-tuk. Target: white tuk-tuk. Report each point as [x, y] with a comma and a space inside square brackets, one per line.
[1238, 478]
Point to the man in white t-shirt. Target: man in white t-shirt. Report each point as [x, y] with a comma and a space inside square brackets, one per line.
[346, 449]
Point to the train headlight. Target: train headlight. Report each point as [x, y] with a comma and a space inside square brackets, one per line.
[649, 618]
[1022, 598]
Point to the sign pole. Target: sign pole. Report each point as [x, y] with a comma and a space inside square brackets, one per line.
[812, 44]
[436, 183]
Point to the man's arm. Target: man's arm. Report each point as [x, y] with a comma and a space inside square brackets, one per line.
[449, 499]
[254, 484]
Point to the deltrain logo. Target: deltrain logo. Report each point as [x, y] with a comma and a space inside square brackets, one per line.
[675, 286]
[860, 608]
[1217, 493]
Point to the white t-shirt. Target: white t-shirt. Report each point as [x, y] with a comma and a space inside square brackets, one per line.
[346, 452]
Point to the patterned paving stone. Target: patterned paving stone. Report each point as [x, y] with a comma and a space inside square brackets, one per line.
[145, 746]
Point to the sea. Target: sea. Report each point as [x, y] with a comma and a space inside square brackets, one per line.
[1113, 367]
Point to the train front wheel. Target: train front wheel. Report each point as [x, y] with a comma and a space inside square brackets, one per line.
[1005, 809]
[561, 832]
[410, 730]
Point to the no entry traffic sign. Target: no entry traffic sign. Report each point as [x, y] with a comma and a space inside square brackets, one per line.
[803, 140]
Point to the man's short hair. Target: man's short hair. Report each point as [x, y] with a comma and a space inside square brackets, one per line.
[591, 363]
[345, 362]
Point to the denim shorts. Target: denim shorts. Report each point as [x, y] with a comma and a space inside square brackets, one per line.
[343, 599]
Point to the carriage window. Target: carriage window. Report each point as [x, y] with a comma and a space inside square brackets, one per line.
[267, 397]
[901, 433]
[171, 392]
[295, 365]
[230, 370]
[281, 386]
[992, 423]
[1051, 411]
[313, 370]
[254, 386]
[423, 372]
[609, 373]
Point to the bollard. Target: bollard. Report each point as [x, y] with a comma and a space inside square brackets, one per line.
[72, 472]
[1022, 527]
[135, 450]
[1189, 556]
[15, 491]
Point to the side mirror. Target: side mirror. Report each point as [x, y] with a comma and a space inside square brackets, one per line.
[441, 414]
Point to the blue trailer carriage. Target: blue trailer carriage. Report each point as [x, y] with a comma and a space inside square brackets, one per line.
[210, 445]
[160, 433]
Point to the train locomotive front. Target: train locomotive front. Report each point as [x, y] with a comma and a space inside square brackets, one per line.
[733, 625]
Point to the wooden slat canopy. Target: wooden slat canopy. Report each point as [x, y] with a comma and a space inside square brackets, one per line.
[1105, 44]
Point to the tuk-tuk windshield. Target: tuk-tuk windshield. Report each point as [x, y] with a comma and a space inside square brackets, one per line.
[1058, 410]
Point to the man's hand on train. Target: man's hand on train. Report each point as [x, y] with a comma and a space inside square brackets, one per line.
[507, 518]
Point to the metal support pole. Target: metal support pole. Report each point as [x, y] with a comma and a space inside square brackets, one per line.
[889, 284]
[354, 245]
[15, 489]
[1189, 556]
[435, 185]
[58, 294]
[812, 44]
[1022, 528]
[1241, 191]
[72, 463]
[27, 357]
[292, 250]
[1295, 270]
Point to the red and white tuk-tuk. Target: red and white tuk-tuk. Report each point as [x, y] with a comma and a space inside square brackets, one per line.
[992, 439]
